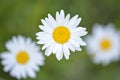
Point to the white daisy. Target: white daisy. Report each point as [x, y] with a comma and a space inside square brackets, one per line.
[61, 35]
[104, 44]
[23, 58]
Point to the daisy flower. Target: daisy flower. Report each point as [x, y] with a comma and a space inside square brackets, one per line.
[104, 44]
[61, 35]
[23, 58]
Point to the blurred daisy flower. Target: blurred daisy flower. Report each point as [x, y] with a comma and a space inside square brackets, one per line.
[23, 58]
[61, 35]
[104, 44]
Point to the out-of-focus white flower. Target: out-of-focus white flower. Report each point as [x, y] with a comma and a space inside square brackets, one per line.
[61, 35]
[23, 58]
[104, 44]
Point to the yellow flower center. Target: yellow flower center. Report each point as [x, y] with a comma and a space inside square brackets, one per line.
[61, 34]
[105, 44]
[22, 57]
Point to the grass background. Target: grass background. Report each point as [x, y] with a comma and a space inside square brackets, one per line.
[22, 17]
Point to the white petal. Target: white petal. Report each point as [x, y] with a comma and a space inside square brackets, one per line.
[74, 43]
[21, 41]
[35, 67]
[38, 59]
[79, 31]
[23, 73]
[66, 21]
[15, 72]
[44, 38]
[11, 45]
[79, 41]
[78, 48]
[7, 58]
[32, 65]
[47, 44]
[49, 50]
[58, 19]
[31, 73]
[62, 16]
[52, 20]
[46, 29]
[8, 67]
[72, 21]
[97, 30]
[66, 51]
[45, 23]
[55, 48]
[59, 53]
[70, 47]
[77, 22]
[50, 23]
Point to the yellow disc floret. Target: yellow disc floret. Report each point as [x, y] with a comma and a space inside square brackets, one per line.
[22, 57]
[61, 34]
[105, 44]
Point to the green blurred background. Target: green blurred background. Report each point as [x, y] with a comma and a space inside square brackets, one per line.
[22, 17]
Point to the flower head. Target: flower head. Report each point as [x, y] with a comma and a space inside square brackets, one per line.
[104, 44]
[61, 35]
[23, 57]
